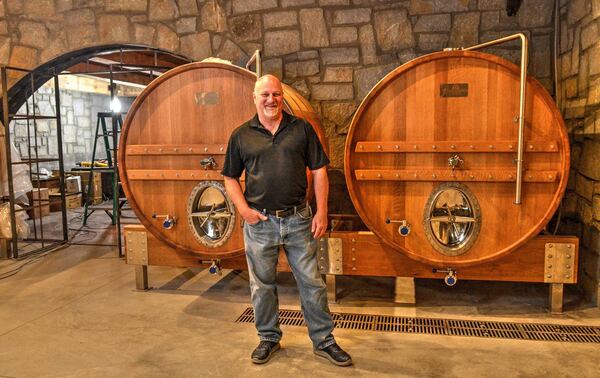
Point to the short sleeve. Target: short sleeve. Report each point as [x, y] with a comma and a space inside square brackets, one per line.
[315, 154]
[234, 165]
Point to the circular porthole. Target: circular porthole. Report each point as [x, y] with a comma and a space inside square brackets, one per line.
[452, 219]
[211, 214]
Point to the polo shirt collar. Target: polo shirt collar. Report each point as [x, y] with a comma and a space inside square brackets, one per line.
[285, 121]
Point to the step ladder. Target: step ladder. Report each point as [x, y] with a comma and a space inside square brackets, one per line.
[102, 131]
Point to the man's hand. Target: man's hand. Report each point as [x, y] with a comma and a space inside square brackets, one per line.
[319, 224]
[252, 216]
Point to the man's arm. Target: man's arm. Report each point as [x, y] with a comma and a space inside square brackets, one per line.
[321, 185]
[234, 190]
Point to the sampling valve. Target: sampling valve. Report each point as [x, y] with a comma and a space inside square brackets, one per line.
[215, 267]
[450, 278]
[168, 221]
[403, 229]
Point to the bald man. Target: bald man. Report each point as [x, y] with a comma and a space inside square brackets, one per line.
[275, 148]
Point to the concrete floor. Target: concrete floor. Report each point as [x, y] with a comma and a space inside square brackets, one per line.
[75, 313]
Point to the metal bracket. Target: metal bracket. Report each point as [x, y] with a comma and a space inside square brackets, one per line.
[559, 263]
[329, 256]
[136, 244]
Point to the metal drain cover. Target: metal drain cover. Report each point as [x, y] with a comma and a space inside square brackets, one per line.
[449, 327]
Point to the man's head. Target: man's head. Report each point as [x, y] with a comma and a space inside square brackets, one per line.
[268, 98]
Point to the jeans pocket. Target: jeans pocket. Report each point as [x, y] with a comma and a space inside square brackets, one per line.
[305, 213]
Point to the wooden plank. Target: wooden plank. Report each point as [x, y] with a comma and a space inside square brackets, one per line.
[452, 175]
[174, 175]
[471, 146]
[176, 149]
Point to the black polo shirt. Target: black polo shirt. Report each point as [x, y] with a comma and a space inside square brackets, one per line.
[275, 164]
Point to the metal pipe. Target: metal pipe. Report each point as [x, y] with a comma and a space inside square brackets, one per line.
[61, 166]
[11, 190]
[256, 58]
[522, 92]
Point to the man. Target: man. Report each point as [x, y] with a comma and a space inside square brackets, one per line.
[274, 148]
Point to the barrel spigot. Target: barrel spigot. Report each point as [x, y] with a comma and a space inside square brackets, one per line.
[403, 229]
[168, 221]
[215, 267]
[450, 278]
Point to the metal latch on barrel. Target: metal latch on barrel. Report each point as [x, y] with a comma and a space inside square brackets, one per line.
[559, 263]
[136, 244]
[329, 256]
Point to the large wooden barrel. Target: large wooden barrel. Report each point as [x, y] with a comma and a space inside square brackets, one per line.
[430, 159]
[172, 150]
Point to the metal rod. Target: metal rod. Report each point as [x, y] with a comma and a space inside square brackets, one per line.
[61, 165]
[522, 92]
[37, 157]
[255, 58]
[29, 162]
[116, 215]
[11, 190]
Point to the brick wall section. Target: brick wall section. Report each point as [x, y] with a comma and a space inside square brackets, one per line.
[579, 101]
[331, 51]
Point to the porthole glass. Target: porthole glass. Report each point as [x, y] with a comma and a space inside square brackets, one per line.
[211, 214]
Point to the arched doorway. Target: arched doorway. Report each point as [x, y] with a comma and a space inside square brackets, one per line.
[49, 130]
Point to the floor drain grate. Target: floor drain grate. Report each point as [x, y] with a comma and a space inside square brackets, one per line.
[450, 327]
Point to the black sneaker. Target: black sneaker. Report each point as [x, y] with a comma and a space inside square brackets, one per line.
[264, 351]
[335, 354]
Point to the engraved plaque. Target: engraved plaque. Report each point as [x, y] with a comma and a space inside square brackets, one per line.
[454, 90]
[207, 98]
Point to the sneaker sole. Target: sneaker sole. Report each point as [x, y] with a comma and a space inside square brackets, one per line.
[320, 353]
[266, 359]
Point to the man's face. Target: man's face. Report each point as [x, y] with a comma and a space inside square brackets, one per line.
[268, 98]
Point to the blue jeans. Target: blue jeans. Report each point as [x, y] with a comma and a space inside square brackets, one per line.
[262, 250]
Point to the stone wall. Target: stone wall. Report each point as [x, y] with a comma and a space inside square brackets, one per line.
[78, 119]
[579, 101]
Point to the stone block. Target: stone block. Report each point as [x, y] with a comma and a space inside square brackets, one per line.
[33, 34]
[465, 30]
[302, 88]
[273, 67]
[166, 38]
[352, 16]
[69, 134]
[3, 27]
[344, 35]
[366, 78]
[596, 211]
[304, 68]
[143, 34]
[81, 35]
[314, 30]
[125, 6]
[433, 23]
[584, 187]
[296, 3]
[325, 3]
[367, 45]
[187, 7]
[40, 9]
[535, 13]
[232, 52]
[406, 55]
[492, 4]
[4, 50]
[571, 87]
[594, 60]
[213, 17]
[489, 20]
[336, 152]
[589, 35]
[340, 113]
[593, 98]
[282, 19]
[162, 10]
[13, 7]
[23, 57]
[281, 42]
[340, 55]
[113, 28]
[338, 74]
[332, 92]
[576, 10]
[196, 46]
[393, 30]
[575, 53]
[541, 57]
[243, 6]
[438, 6]
[185, 25]
[432, 42]
[246, 28]
[590, 157]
